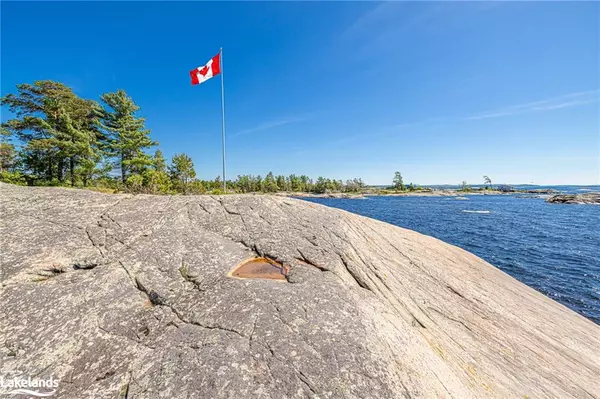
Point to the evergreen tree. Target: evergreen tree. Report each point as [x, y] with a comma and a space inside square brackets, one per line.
[487, 181]
[258, 184]
[128, 137]
[270, 185]
[295, 183]
[398, 181]
[77, 138]
[8, 154]
[321, 185]
[306, 183]
[244, 183]
[156, 178]
[182, 172]
[281, 183]
[338, 185]
[158, 162]
[57, 129]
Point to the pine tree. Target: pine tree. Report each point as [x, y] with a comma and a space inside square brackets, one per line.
[306, 183]
[57, 129]
[321, 185]
[281, 183]
[128, 137]
[182, 172]
[487, 181]
[295, 183]
[258, 184]
[7, 151]
[270, 184]
[158, 162]
[76, 137]
[244, 183]
[156, 178]
[398, 181]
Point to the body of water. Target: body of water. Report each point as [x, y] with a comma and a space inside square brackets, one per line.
[554, 248]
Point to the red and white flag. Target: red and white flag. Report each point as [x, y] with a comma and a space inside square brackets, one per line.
[203, 73]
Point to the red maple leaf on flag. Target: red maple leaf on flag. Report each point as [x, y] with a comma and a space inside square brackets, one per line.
[205, 72]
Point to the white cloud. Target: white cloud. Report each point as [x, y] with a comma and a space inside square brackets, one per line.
[373, 19]
[269, 125]
[564, 101]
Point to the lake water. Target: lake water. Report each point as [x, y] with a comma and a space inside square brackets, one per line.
[554, 248]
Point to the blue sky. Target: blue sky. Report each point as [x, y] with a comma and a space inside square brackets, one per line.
[442, 91]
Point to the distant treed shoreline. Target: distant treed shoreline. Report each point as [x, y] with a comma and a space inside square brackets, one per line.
[66, 140]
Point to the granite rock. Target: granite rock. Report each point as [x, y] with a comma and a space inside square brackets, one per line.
[130, 296]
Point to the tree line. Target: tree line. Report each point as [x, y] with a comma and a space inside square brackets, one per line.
[66, 140]
[294, 183]
[398, 184]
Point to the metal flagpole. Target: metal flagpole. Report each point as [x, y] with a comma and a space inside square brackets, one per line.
[223, 113]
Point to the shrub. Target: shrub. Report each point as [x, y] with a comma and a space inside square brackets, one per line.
[134, 184]
[13, 178]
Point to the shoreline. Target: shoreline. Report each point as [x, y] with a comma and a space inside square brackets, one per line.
[558, 198]
[424, 193]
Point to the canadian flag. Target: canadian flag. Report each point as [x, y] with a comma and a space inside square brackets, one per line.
[203, 73]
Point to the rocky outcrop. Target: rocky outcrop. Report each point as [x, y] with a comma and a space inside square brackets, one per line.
[539, 191]
[588, 198]
[133, 296]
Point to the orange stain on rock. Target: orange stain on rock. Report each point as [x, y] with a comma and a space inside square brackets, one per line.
[260, 268]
